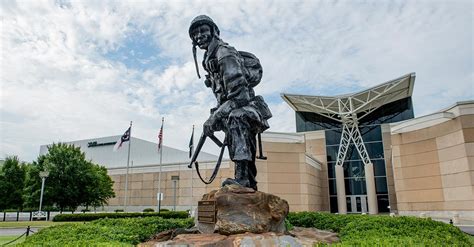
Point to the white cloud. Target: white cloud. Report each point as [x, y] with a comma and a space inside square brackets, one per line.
[57, 83]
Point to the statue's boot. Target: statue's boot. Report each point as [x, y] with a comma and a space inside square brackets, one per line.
[229, 181]
[240, 174]
[251, 177]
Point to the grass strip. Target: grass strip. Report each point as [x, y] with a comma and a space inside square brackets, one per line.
[20, 224]
[367, 230]
[6, 239]
[105, 232]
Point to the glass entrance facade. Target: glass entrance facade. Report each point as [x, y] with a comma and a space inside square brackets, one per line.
[353, 166]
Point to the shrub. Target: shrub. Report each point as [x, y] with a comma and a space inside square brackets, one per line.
[49, 208]
[322, 221]
[403, 230]
[32, 209]
[365, 230]
[44, 208]
[105, 232]
[95, 216]
[148, 210]
[288, 225]
[10, 210]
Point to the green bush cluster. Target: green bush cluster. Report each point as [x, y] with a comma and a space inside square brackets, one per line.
[105, 232]
[95, 216]
[365, 230]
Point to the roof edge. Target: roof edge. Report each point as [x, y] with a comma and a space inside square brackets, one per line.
[412, 76]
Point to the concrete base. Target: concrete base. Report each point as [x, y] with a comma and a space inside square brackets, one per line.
[341, 190]
[371, 192]
[463, 215]
[139, 208]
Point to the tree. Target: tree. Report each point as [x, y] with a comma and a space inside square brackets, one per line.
[100, 190]
[72, 180]
[12, 178]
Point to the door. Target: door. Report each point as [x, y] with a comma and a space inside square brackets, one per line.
[357, 204]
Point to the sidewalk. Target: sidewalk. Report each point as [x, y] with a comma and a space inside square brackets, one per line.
[466, 226]
[16, 231]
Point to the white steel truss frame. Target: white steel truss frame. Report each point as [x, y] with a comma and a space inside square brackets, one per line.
[362, 103]
[351, 132]
[348, 116]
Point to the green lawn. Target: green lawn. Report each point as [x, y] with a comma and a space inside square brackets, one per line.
[471, 238]
[368, 230]
[6, 239]
[11, 224]
[105, 232]
[23, 224]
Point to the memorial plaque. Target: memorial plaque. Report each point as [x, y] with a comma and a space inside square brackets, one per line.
[207, 211]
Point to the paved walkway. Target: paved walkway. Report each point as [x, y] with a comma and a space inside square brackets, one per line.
[467, 229]
[16, 231]
[466, 226]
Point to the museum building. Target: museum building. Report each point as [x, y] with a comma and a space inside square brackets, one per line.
[356, 153]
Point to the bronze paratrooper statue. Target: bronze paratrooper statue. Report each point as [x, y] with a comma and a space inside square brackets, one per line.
[239, 113]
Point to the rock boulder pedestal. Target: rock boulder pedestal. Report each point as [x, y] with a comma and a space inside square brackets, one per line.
[241, 210]
[247, 239]
[244, 217]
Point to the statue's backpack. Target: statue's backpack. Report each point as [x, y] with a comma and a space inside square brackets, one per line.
[253, 74]
[254, 70]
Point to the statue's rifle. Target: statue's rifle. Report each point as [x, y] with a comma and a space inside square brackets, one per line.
[198, 150]
[260, 148]
[201, 142]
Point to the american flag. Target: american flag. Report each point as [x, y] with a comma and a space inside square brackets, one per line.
[124, 138]
[160, 136]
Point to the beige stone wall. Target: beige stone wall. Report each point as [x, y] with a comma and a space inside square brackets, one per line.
[434, 167]
[295, 170]
[143, 187]
[387, 149]
[292, 175]
[316, 147]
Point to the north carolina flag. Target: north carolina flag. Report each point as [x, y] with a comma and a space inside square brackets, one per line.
[124, 138]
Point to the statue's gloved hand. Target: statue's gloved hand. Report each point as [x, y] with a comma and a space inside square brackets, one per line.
[208, 126]
[224, 109]
[207, 81]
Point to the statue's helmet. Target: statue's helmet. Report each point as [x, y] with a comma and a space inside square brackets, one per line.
[203, 19]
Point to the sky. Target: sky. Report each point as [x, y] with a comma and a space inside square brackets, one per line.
[73, 70]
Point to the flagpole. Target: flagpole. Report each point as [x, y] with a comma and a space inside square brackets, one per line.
[161, 162]
[192, 178]
[126, 175]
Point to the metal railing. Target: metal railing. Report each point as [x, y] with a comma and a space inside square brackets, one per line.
[30, 216]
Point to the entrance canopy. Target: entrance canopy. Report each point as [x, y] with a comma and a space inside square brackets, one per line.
[361, 103]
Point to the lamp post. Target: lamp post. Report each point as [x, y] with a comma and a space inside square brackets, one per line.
[43, 175]
[175, 180]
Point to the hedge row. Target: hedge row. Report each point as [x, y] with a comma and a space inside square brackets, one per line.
[95, 216]
[26, 210]
[105, 232]
[365, 230]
